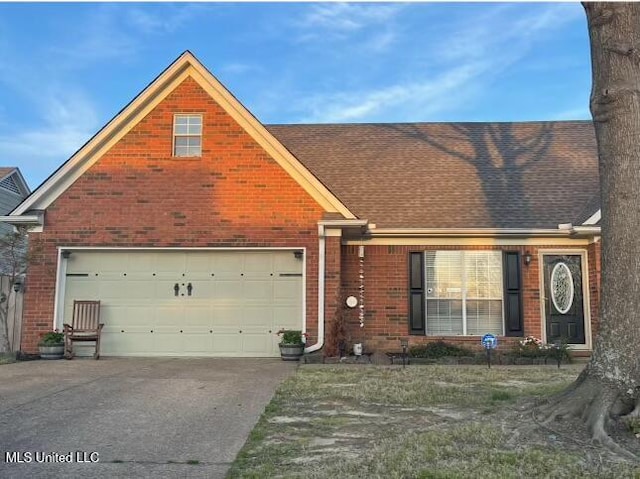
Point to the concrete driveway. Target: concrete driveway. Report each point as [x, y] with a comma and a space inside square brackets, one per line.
[143, 417]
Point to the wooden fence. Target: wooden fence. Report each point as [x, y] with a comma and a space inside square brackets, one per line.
[14, 316]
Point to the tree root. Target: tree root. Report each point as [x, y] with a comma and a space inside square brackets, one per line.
[595, 403]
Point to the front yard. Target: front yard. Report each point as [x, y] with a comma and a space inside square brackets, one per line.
[418, 422]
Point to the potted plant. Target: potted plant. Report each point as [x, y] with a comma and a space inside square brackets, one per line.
[291, 344]
[51, 345]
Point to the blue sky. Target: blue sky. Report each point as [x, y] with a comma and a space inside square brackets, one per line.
[66, 69]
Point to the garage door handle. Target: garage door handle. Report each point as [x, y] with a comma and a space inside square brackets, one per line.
[189, 289]
[176, 288]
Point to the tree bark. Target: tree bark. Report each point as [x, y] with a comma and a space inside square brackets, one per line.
[609, 386]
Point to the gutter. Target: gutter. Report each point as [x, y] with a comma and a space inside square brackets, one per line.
[321, 270]
[322, 231]
[561, 231]
[36, 219]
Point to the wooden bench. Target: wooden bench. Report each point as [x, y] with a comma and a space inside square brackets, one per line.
[85, 326]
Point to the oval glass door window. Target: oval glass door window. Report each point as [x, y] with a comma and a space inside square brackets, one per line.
[562, 288]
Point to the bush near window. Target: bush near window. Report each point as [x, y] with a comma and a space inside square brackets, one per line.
[438, 349]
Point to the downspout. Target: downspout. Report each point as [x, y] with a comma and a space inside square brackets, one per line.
[321, 269]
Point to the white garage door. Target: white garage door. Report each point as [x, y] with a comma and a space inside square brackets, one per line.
[189, 303]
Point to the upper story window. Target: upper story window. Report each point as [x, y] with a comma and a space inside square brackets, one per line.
[187, 135]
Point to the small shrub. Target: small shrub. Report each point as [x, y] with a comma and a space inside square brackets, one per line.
[51, 338]
[291, 336]
[438, 349]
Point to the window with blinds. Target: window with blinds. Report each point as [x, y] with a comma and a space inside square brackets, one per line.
[463, 292]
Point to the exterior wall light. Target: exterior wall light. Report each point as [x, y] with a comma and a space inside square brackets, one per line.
[527, 258]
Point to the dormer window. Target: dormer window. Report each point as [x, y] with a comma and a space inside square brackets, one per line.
[187, 135]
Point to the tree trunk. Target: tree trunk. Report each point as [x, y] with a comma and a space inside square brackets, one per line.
[609, 386]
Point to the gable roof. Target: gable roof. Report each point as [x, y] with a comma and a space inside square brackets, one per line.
[454, 175]
[186, 65]
[12, 173]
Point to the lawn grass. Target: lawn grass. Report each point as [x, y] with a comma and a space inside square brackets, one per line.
[418, 422]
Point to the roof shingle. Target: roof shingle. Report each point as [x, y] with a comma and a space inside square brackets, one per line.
[453, 175]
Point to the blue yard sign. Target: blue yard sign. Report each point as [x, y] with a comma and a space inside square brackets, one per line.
[489, 341]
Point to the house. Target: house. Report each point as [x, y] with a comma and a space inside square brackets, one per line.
[13, 189]
[204, 232]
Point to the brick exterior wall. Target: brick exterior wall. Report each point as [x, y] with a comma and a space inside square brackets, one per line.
[386, 293]
[137, 194]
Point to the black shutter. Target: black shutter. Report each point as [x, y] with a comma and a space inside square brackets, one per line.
[512, 294]
[416, 293]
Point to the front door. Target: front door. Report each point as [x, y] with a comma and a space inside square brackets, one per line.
[563, 298]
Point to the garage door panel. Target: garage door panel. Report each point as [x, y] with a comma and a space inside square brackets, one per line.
[82, 288]
[198, 317]
[257, 263]
[257, 316]
[229, 291]
[257, 290]
[168, 344]
[287, 317]
[126, 316]
[169, 315]
[228, 264]
[287, 290]
[229, 343]
[201, 344]
[127, 343]
[238, 300]
[286, 262]
[226, 317]
[257, 344]
[204, 289]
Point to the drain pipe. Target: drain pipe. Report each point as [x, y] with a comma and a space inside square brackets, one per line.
[321, 269]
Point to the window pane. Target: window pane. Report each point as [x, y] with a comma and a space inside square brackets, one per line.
[444, 317]
[484, 316]
[194, 141]
[182, 141]
[181, 129]
[182, 151]
[181, 119]
[194, 151]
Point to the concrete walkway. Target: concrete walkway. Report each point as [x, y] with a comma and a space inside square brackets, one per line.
[146, 417]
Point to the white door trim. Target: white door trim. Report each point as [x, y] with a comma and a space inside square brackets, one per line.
[584, 264]
[62, 269]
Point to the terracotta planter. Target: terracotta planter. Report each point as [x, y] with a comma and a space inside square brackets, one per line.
[51, 351]
[291, 352]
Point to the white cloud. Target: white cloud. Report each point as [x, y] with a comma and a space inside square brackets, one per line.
[373, 24]
[67, 120]
[347, 17]
[170, 18]
[469, 56]
[418, 99]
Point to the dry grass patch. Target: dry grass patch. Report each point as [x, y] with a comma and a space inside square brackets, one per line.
[418, 422]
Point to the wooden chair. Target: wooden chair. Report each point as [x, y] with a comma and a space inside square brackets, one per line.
[85, 326]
